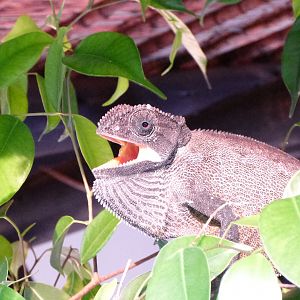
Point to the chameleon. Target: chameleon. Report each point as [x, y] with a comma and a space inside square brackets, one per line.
[168, 180]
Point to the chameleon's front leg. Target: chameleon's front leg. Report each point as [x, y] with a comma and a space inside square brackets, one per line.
[218, 210]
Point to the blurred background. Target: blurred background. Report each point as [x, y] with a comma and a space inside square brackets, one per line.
[243, 44]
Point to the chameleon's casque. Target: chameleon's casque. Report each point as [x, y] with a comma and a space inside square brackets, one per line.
[168, 180]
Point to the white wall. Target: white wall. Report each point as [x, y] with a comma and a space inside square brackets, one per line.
[126, 243]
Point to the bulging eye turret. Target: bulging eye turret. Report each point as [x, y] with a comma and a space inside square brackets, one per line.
[143, 123]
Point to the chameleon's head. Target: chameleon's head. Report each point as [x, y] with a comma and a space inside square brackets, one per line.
[145, 134]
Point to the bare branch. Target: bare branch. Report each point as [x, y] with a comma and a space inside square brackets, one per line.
[96, 279]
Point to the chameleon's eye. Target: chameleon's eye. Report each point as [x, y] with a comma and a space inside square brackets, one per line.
[146, 128]
[143, 123]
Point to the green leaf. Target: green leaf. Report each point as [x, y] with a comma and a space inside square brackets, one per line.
[175, 47]
[97, 234]
[250, 278]
[94, 149]
[279, 225]
[296, 8]
[3, 268]
[180, 272]
[17, 97]
[107, 290]
[52, 121]
[55, 70]
[293, 187]
[17, 258]
[135, 287]
[41, 291]
[188, 40]
[16, 155]
[13, 99]
[110, 54]
[73, 284]
[290, 66]
[121, 89]
[23, 25]
[218, 253]
[6, 250]
[170, 5]
[60, 231]
[20, 54]
[7, 293]
[248, 221]
[209, 2]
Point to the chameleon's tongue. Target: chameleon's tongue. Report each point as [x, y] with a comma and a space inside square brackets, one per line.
[130, 152]
[127, 152]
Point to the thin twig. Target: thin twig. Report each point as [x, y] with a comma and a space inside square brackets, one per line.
[37, 259]
[41, 114]
[71, 131]
[287, 137]
[67, 180]
[95, 264]
[228, 247]
[91, 9]
[63, 265]
[19, 280]
[96, 279]
[33, 252]
[92, 284]
[117, 295]
[133, 265]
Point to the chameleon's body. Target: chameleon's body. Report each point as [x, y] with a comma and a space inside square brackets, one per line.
[168, 180]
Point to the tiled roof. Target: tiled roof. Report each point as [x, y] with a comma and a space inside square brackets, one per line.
[249, 31]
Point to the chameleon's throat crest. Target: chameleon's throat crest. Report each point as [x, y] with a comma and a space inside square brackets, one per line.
[129, 154]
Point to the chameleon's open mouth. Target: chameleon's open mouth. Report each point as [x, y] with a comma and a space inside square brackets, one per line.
[130, 153]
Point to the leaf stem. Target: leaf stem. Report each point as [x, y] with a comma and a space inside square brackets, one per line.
[41, 114]
[89, 9]
[54, 14]
[13, 224]
[70, 128]
[287, 137]
[71, 132]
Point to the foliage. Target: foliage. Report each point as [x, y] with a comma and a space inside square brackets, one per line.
[186, 267]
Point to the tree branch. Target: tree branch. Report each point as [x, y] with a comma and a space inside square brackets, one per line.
[96, 279]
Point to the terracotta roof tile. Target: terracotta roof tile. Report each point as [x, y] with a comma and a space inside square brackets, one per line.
[255, 28]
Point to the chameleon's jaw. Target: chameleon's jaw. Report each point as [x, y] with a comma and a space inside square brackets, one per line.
[130, 153]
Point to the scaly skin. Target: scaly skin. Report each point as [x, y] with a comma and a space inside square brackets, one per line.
[192, 175]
